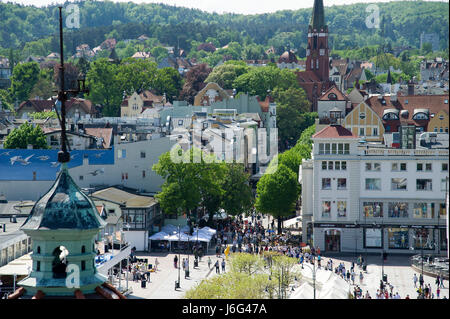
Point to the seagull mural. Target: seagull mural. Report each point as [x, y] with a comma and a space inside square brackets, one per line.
[6, 153]
[55, 164]
[43, 157]
[73, 156]
[19, 159]
[97, 171]
[99, 155]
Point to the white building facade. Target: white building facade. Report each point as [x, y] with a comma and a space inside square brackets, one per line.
[373, 199]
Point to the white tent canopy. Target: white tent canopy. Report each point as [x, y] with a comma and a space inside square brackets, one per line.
[305, 291]
[160, 236]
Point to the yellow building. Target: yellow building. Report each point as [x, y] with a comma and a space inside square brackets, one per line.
[363, 121]
[439, 122]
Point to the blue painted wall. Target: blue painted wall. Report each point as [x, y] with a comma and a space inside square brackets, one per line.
[19, 165]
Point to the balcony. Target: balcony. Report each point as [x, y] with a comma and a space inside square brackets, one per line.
[403, 152]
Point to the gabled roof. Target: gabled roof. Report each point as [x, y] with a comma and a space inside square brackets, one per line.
[105, 133]
[334, 131]
[339, 95]
[38, 105]
[124, 198]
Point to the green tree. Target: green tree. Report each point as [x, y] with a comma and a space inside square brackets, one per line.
[169, 81]
[224, 75]
[104, 87]
[238, 197]
[26, 135]
[260, 80]
[23, 79]
[43, 115]
[159, 53]
[277, 193]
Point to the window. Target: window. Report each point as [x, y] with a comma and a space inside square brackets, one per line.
[361, 131]
[424, 184]
[428, 167]
[442, 210]
[83, 249]
[143, 174]
[333, 148]
[327, 148]
[373, 184]
[34, 176]
[398, 184]
[337, 165]
[346, 148]
[373, 167]
[443, 184]
[419, 167]
[421, 211]
[420, 116]
[330, 165]
[83, 265]
[398, 210]
[343, 166]
[372, 238]
[342, 209]
[398, 238]
[362, 115]
[321, 148]
[142, 154]
[326, 208]
[394, 167]
[324, 165]
[375, 131]
[340, 148]
[403, 167]
[180, 122]
[81, 177]
[423, 238]
[341, 183]
[373, 209]
[38, 266]
[326, 183]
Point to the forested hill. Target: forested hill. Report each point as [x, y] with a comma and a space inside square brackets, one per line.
[402, 22]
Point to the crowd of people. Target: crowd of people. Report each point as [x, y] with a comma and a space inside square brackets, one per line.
[248, 235]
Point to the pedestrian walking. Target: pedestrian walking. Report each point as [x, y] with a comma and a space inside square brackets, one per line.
[421, 280]
[361, 277]
[175, 261]
[217, 267]
[209, 262]
[223, 265]
[156, 264]
[353, 277]
[438, 291]
[183, 263]
[415, 280]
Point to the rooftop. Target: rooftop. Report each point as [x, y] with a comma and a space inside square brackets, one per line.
[334, 131]
[125, 198]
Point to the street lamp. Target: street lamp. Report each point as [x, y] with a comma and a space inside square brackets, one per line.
[177, 284]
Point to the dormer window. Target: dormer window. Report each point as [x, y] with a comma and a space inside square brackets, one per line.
[362, 115]
[421, 114]
[332, 96]
[390, 114]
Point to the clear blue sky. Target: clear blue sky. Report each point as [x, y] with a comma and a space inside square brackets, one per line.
[220, 6]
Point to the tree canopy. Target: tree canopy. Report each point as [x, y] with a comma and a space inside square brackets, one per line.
[26, 135]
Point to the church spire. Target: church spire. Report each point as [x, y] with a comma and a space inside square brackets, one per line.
[318, 16]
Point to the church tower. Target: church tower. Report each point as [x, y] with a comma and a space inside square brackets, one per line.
[317, 51]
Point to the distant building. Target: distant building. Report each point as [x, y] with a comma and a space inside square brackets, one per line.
[211, 93]
[5, 73]
[432, 38]
[135, 104]
[315, 80]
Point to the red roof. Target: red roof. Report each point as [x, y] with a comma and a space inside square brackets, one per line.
[339, 95]
[334, 131]
[434, 103]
